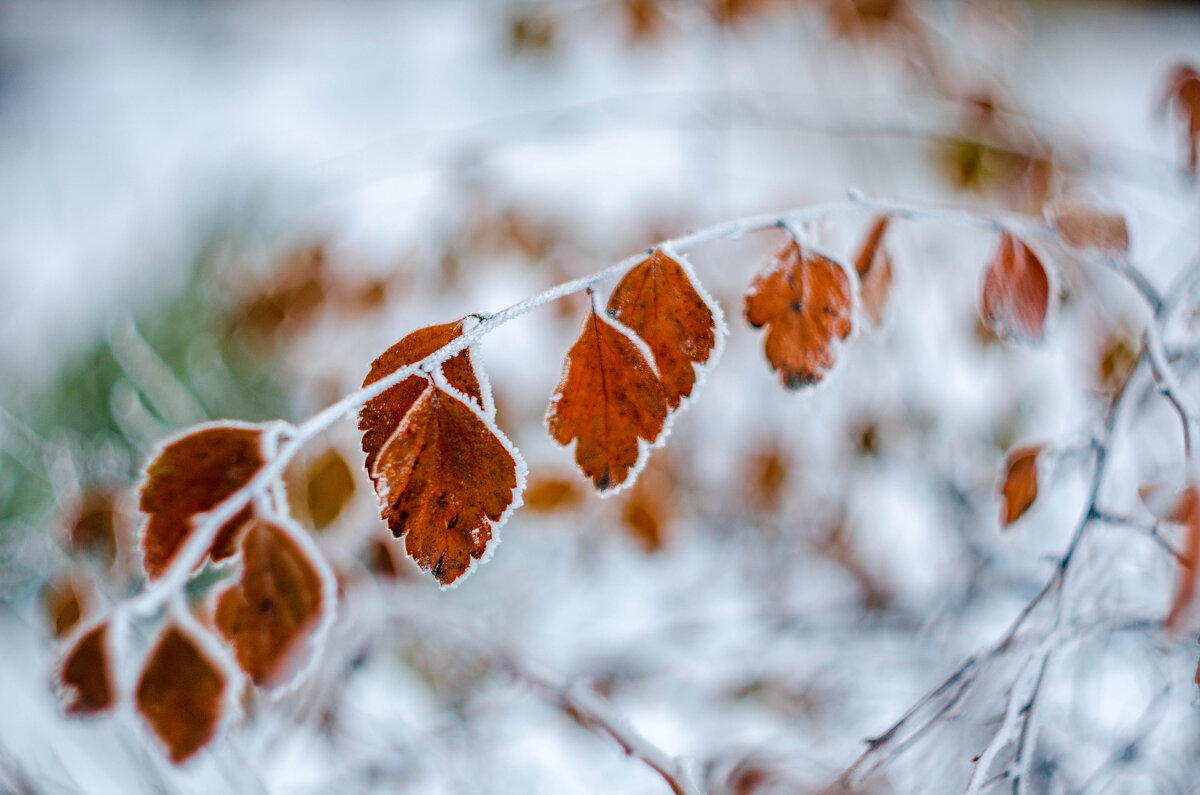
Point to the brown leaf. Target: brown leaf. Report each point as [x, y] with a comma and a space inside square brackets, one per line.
[874, 268]
[86, 673]
[94, 529]
[191, 475]
[274, 606]
[1019, 488]
[658, 301]
[547, 493]
[381, 415]
[1187, 512]
[180, 693]
[1016, 293]
[607, 400]
[1082, 226]
[803, 298]
[766, 474]
[1183, 91]
[446, 480]
[330, 486]
[643, 18]
[648, 509]
[64, 601]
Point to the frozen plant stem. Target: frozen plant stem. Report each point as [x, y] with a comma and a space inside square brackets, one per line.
[598, 715]
[1020, 712]
[288, 439]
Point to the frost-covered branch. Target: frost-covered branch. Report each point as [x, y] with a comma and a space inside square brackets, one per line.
[285, 440]
[599, 715]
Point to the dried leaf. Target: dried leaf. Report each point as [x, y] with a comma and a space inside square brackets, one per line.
[549, 493]
[94, 529]
[766, 474]
[608, 400]
[1186, 512]
[86, 673]
[330, 486]
[658, 301]
[1183, 91]
[380, 561]
[874, 268]
[191, 475]
[1019, 488]
[64, 602]
[1082, 226]
[804, 300]
[381, 416]
[181, 694]
[643, 18]
[445, 477]
[648, 509]
[1016, 293]
[275, 605]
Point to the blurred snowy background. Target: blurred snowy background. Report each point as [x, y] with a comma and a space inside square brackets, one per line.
[228, 209]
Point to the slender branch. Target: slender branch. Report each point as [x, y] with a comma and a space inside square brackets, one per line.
[599, 714]
[1020, 698]
[1151, 529]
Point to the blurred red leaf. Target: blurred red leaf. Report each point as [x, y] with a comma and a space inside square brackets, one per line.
[94, 528]
[1016, 292]
[658, 301]
[328, 489]
[608, 399]
[548, 493]
[180, 694]
[191, 475]
[86, 673]
[1187, 513]
[1183, 92]
[874, 268]
[1082, 226]
[63, 600]
[274, 606]
[1019, 488]
[803, 298]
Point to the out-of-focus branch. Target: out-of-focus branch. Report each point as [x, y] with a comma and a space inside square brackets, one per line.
[599, 715]
[1020, 711]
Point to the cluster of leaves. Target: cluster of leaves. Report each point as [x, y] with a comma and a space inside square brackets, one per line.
[447, 477]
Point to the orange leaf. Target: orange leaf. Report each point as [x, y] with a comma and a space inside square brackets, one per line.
[64, 601]
[94, 529]
[446, 479]
[180, 693]
[1187, 512]
[381, 415]
[607, 400]
[547, 493]
[86, 673]
[658, 301]
[874, 268]
[1086, 227]
[1016, 292]
[1183, 90]
[275, 605]
[330, 486]
[1020, 485]
[804, 300]
[194, 474]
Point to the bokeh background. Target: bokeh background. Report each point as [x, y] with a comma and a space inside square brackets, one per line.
[219, 209]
